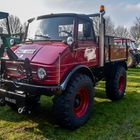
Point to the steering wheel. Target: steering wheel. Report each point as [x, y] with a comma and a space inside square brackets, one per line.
[69, 33]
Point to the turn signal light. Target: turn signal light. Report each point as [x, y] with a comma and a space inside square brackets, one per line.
[102, 8]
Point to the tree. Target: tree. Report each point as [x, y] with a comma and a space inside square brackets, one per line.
[135, 30]
[15, 24]
[121, 31]
[109, 26]
[96, 25]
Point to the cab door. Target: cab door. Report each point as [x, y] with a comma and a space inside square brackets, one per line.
[87, 50]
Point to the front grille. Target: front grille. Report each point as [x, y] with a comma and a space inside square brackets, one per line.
[17, 70]
[11, 69]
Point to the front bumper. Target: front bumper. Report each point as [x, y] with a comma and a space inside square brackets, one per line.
[18, 93]
[27, 87]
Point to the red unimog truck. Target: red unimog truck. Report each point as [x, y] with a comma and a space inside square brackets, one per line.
[61, 57]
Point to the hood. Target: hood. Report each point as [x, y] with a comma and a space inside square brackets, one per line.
[44, 53]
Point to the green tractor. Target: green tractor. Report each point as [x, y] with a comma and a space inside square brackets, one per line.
[7, 39]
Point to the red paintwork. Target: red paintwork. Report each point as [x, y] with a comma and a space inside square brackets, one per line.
[46, 55]
[121, 83]
[56, 57]
[44, 52]
[81, 102]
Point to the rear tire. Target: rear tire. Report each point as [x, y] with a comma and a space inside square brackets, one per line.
[116, 83]
[73, 107]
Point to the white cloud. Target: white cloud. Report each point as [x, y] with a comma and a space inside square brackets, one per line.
[23, 9]
[122, 12]
[133, 7]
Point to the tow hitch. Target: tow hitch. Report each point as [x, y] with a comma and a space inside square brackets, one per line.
[24, 110]
[17, 99]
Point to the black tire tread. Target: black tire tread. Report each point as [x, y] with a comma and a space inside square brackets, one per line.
[62, 103]
[112, 83]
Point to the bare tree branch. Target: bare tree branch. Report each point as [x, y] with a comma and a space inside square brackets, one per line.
[121, 31]
[15, 24]
[109, 26]
[135, 30]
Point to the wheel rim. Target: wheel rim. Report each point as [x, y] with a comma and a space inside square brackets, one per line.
[121, 83]
[81, 102]
[129, 61]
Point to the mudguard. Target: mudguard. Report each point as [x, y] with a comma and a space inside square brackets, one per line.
[78, 69]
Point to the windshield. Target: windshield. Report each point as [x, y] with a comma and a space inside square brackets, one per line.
[53, 28]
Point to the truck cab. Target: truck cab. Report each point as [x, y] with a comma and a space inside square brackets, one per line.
[61, 57]
[57, 43]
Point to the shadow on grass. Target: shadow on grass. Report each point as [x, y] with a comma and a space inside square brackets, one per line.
[134, 79]
[104, 113]
[1, 138]
[133, 69]
[106, 116]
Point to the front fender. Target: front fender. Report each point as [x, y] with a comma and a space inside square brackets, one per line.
[78, 69]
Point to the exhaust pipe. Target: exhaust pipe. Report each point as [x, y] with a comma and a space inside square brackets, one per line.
[101, 37]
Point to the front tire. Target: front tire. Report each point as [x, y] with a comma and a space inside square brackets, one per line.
[116, 83]
[73, 107]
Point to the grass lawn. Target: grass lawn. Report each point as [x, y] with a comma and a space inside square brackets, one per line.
[109, 121]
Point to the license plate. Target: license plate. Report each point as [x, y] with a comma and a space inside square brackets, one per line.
[13, 101]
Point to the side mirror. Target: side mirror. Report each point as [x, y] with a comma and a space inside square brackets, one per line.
[70, 41]
[87, 29]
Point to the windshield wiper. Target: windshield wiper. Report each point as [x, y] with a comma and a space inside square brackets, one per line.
[29, 39]
[44, 36]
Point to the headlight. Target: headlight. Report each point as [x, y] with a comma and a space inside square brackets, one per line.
[12, 42]
[41, 73]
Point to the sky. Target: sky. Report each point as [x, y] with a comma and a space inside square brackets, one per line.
[122, 12]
